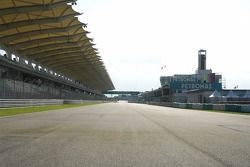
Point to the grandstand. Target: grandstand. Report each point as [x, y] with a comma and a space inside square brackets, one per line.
[45, 53]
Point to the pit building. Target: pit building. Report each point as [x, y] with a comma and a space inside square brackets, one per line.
[195, 88]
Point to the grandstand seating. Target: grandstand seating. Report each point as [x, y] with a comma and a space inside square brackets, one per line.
[49, 55]
[11, 89]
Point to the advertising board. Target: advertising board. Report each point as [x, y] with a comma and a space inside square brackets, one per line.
[195, 85]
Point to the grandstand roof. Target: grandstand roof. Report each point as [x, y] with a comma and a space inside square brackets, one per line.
[48, 32]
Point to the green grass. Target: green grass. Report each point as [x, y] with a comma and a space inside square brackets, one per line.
[15, 111]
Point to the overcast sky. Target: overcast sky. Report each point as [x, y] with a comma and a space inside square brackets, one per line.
[136, 38]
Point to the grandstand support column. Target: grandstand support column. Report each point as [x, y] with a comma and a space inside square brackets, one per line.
[60, 92]
[23, 90]
[31, 90]
[52, 92]
[37, 90]
[3, 87]
[14, 86]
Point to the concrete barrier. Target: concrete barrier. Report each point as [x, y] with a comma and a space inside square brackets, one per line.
[80, 101]
[73, 101]
[197, 106]
[154, 103]
[4, 103]
[245, 108]
[189, 106]
[176, 105]
[219, 107]
[182, 105]
[28, 102]
[167, 104]
[233, 107]
[206, 106]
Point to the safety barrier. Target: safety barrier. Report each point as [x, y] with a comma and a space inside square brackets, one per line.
[207, 106]
[5, 103]
[197, 106]
[28, 102]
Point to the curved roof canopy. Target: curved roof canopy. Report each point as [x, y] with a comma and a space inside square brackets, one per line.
[48, 32]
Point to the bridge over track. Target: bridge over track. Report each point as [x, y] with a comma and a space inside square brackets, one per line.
[122, 92]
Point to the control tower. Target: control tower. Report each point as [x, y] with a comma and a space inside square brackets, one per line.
[202, 59]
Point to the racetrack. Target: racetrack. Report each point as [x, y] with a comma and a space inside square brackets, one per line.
[123, 134]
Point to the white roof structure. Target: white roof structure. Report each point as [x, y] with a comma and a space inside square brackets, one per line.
[49, 32]
[215, 94]
[231, 95]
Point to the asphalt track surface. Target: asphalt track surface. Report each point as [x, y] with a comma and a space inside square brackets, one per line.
[124, 135]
